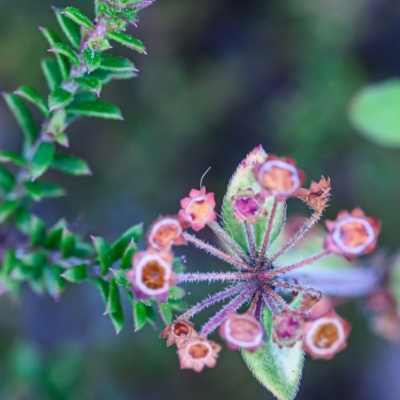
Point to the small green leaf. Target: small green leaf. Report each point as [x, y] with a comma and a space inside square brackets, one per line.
[10, 261]
[92, 59]
[166, 312]
[70, 30]
[30, 94]
[23, 220]
[57, 123]
[118, 320]
[37, 231]
[59, 98]
[177, 305]
[70, 165]
[7, 209]
[78, 17]
[134, 233]
[83, 249]
[116, 64]
[67, 51]
[76, 274]
[107, 76]
[62, 61]
[103, 250]
[7, 180]
[176, 292]
[96, 109]
[126, 260]
[113, 299]
[7, 156]
[375, 112]
[139, 314]
[119, 276]
[51, 73]
[53, 281]
[90, 83]
[61, 139]
[243, 179]
[102, 286]
[54, 236]
[42, 159]
[68, 242]
[279, 370]
[23, 116]
[128, 41]
[40, 190]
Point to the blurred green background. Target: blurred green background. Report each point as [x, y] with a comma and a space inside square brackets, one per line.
[221, 77]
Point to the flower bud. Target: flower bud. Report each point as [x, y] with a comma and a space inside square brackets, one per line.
[287, 328]
[179, 332]
[242, 331]
[247, 206]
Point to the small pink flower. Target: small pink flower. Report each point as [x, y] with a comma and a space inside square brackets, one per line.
[279, 176]
[352, 234]
[320, 309]
[287, 328]
[326, 336]
[242, 331]
[198, 208]
[179, 332]
[151, 275]
[165, 232]
[197, 353]
[247, 206]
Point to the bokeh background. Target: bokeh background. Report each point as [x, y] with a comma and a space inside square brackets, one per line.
[221, 77]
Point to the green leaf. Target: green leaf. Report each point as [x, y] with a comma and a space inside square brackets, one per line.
[76, 274]
[62, 61]
[279, 370]
[126, 260]
[375, 112]
[68, 242]
[70, 165]
[176, 292]
[119, 276]
[67, 51]
[54, 236]
[51, 73]
[139, 314]
[23, 116]
[96, 109]
[57, 123]
[10, 261]
[7, 156]
[42, 159]
[107, 76]
[53, 281]
[7, 180]
[166, 312]
[90, 83]
[116, 64]
[30, 94]
[134, 233]
[103, 250]
[118, 320]
[102, 286]
[59, 98]
[78, 17]
[113, 299]
[40, 190]
[37, 231]
[70, 30]
[128, 41]
[92, 59]
[177, 305]
[23, 220]
[243, 179]
[7, 209]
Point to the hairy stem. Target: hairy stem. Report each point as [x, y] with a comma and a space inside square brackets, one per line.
[276, 297]
[250, 239]
[270, 303]
[213, 276]
[254, 302]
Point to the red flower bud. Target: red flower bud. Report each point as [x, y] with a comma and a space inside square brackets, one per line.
[287, 328]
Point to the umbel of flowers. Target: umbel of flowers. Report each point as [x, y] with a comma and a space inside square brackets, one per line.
[267, 312]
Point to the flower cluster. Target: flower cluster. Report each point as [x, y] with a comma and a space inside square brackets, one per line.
[253, 214]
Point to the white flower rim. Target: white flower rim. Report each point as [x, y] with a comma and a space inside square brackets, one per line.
[360, 248]
[138, 274]
[207, 344]
[255, 342]
[316, 325]
[284, 165]
[158, 225]
[197, 199]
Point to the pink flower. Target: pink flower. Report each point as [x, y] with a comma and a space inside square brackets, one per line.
[242, 331]
[197, 353]
[279, 176]
[198, 208]
[247, 206]
[165, 232]
[352, 234]
[326, 336]
[287, 328]
[179, 332]
[151, 275]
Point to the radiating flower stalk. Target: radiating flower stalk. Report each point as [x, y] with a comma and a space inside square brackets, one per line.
[253, 215]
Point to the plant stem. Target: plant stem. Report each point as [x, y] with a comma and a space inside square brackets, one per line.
[250, 240]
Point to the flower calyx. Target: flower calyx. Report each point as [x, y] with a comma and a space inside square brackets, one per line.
[242, 331]
[179, 332]
[287, 328]
[198, 208]
[247, 206]
[197, 353]
[352, 234]
[318, 195]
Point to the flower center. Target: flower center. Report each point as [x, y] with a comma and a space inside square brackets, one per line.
[326, 336]
[288, 328]
[243, 330]
[279, 177]
[353, 234]
[153, 275]
[247, 207]
[181, 329]
[199, 210]
[198, 351]
[165, 232]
